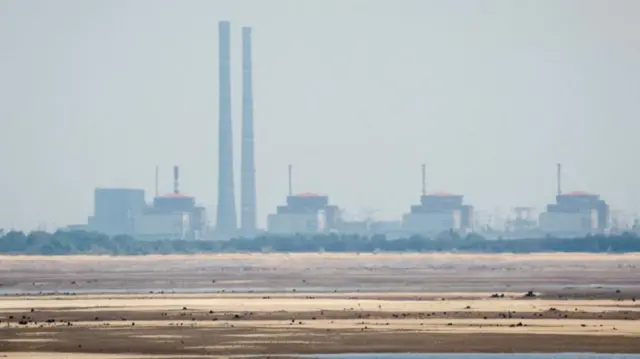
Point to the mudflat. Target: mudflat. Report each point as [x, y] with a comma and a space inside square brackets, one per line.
[269, 304]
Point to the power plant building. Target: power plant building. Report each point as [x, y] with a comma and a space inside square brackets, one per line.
[437, 213]
[305, 213]
[161, 226]
[115, 210]
[575, 214]
[171, 216]
[124, 211]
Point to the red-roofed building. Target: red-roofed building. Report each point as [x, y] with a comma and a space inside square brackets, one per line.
[439, 212]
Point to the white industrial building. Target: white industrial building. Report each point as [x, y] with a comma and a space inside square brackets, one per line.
[290, 223]
[438, 212]
[575, 214]
[569, 222]
[160, 226]
[432, 222]
[305, 213]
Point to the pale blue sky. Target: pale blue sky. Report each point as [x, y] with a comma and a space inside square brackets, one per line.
[355, 94]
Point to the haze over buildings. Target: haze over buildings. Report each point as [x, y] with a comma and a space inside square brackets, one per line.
[489, 95]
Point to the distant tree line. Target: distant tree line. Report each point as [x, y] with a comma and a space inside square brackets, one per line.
[68, 243]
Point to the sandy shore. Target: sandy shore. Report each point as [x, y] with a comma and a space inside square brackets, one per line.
[582, 304]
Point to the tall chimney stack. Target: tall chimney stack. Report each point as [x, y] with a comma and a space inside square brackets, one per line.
[176, 179]
[248, 221]
[559, 179]
[424, 179]
[226, 224]
[290, 183]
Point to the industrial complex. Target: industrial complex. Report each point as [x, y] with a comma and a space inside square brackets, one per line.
[170, 216]
[178, 216]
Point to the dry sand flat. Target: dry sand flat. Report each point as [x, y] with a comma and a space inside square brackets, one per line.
[415, 302]
[302, 303]
[215, 325]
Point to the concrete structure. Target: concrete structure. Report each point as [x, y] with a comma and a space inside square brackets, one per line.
[575, 214]
[569, 223]
[295, 223]
[438, 212]
[161, 226]
[303, 214]
[174, 216]
[424, 220]
[172, 207]
[115, 208]
[124, 211]
[248, 221]
[226, 224]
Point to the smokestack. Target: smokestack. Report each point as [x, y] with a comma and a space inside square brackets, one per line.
[176, 178]
[248, 223]
[559, 179]
[424, 179]
[290, 184]
[226, 223]
[157, 176]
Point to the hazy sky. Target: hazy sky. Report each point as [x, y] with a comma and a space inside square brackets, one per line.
[355, 94]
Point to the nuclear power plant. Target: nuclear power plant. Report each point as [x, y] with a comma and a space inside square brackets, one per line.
[176, 215]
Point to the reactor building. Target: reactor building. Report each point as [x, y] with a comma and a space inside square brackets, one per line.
[123, 211]
[576, 213]
[437, 213]
[171, 216]
[115, 209]
[305, 213]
